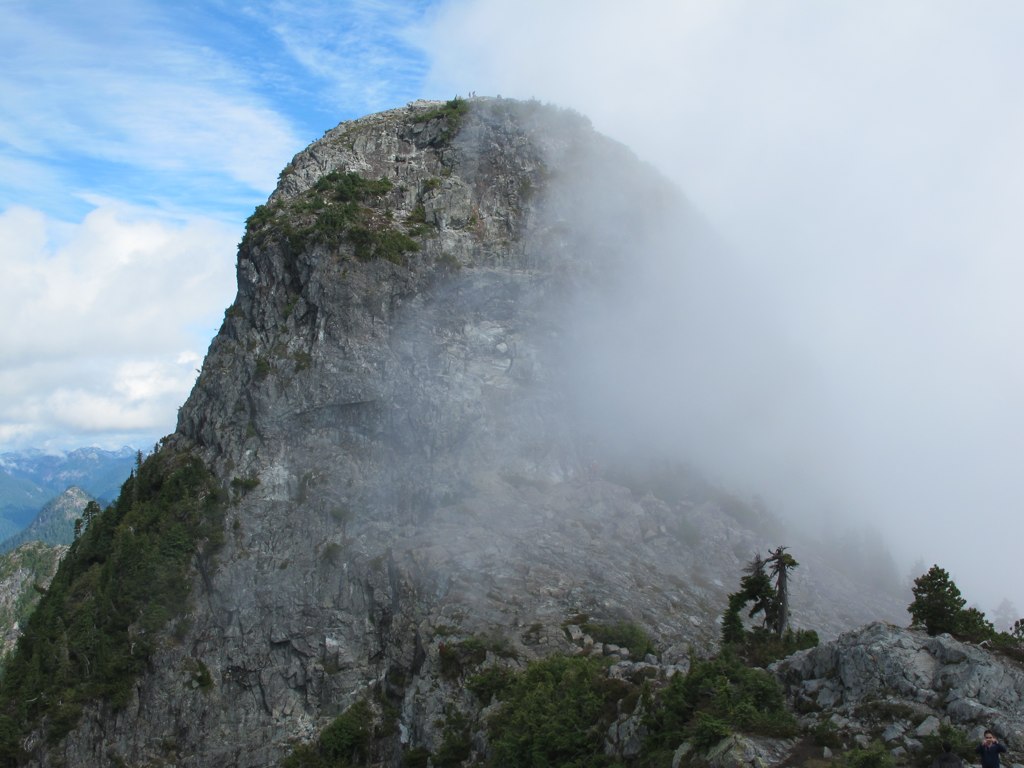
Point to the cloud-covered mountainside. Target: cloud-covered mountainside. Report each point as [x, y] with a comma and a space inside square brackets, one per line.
[450, 414]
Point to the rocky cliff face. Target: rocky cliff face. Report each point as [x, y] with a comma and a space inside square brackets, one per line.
[25, 572]
[398, 402]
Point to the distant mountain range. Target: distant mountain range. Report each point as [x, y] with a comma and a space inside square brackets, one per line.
[32, 478]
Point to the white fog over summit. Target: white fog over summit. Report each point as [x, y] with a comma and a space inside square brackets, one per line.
[862, 161]
[846, 347]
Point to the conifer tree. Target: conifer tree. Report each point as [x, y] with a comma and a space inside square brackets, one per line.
[781, 564]
[937, 602]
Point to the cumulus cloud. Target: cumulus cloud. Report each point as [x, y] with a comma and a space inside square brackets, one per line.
[104, 322]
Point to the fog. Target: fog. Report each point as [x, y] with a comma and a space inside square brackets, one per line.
[844, 341]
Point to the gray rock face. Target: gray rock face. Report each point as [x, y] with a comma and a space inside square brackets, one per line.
[902, 684]
[23, 572]
[736, 752]
[408, 454]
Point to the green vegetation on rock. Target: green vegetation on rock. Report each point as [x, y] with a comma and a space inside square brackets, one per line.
[453, 112]
[340, 208]
[342, 743]
[122, 580]
[556, 713]
[717, 697]
[622, 633]
[39, 562]
[938, 607]
[774, 639]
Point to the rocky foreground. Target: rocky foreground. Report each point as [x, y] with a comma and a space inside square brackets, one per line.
[879, 683]
[900, 685]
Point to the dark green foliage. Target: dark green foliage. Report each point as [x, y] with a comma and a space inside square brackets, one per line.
[304, 756]
[756, 588]
[456, 745]
[622, 633]
[717, 697]
[417, 757]
[774, 639]
[937, 602]
[453, 112]
[972, 625]
[932, 745]
[388, 244]
[732, 625]
[345, 742]
[1008, 645]
[456, 657]
[340, 208]
[262, 369]
[490, 683]
[556, 714]
[875, 756]
[349, 187]
[557, 711]
[347, 738]
[242, 485]
[202, 677]
[938, 607]
[707, 730]
[120, 582]
[825, 734]
[759, 647]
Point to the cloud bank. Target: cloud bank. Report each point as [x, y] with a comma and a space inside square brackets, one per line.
[862, 161]
[104, 324]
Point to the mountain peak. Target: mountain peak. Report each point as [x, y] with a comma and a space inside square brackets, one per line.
[427, 407]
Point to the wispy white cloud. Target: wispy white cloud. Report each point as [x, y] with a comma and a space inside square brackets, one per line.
[359, 50]
[119, 86]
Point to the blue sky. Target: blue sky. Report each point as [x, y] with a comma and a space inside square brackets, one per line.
[135, 139]
[863, 158]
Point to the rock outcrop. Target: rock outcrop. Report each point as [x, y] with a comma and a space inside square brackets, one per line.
[25, 573]
[900, 685]
[401, 401]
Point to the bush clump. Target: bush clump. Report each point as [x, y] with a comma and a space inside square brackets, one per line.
[456, 657]
[556, 712]
[717, 697]
[621, 633]
[876, 755]
[345, 742]
[453, 112]
[340, 208]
